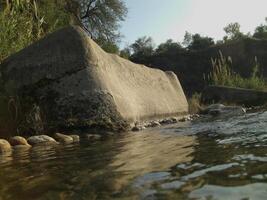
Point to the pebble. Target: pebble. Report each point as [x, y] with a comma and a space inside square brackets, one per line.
[154, 124]
[41, 139]
[18, 141]
[62, 138]
[76, 138]
[4, 146]
[138, 128]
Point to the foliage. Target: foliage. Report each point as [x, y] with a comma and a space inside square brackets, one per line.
[261, 31]
[197, 42]
[233, 32]
[101, 17]
[169, 48]
[142, 47]
[126, 52]
[195, 103]
[223, 74]
[108, 46]
[22, 22]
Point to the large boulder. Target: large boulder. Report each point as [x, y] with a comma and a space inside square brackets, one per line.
[67, 80]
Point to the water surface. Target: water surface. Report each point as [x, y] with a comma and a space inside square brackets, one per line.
[223, 158]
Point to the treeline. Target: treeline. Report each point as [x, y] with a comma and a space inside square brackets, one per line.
[144, 47]
[191, 59]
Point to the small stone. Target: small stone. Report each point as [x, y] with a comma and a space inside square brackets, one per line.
[138, 128]
[174, 120]
[66, 139]
[93, 136]
[154, 124]
[182, 119]
[166, 121]
[76, 138]
[4, 146]
[18, 140]
[41, 139]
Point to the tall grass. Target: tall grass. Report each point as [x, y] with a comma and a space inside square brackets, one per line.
[22, 22]
[194, 103]
[223, 74]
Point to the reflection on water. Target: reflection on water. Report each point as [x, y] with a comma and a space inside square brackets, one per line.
[223, 158]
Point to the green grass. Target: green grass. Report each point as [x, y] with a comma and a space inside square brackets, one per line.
[223, 74]
[194, 103]
[23, 22]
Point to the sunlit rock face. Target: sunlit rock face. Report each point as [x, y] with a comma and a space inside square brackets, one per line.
[72, 82]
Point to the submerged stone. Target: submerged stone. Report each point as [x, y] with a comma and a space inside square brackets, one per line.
[93, 136]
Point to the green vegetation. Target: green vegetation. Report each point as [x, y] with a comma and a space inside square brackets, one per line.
[23, 22]
[222, 74]
[194, 103]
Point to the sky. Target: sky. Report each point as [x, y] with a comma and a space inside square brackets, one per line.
[169, 19]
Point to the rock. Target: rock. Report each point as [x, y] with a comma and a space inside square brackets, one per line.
[41, 139]
[4, 146]
[174, 120]
[93, 136]
[76, 138]
[18, 140]
[231, 95]
[167, 121]
[138, 128]
[153, 124]
[185, 119]
[74, 83]
[22, 147]
[220, 109]
[66, 139]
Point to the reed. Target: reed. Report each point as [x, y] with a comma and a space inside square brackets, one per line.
[223, 74]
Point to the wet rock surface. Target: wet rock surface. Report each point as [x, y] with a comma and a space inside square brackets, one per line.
[75, 138]
[4, 146]
[220, 109]
[18, 141]
[41, 139]
[66, 139]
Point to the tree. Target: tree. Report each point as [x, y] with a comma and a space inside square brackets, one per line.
[142, 47]
[261, 31]
[187, 39]
[233, 32]
[108, 46]
[194, 42]
[126, 52]
[101, 17]
[169, 48]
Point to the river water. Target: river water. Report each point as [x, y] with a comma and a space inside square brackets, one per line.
[210, 158]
